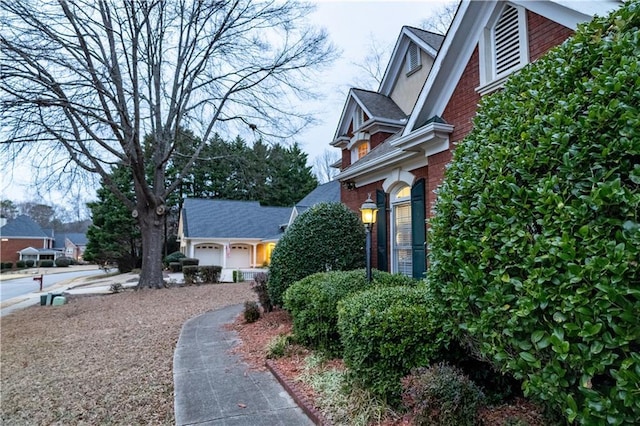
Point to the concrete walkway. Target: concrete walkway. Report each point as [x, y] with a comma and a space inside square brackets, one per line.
[214, 387]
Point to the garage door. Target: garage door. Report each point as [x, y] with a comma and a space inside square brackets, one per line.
[239, 257]
[209, 254]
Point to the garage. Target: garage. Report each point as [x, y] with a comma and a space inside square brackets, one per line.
[239, 256]
[209, 254]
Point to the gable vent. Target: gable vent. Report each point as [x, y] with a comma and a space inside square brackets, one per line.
[507, 41]
[413, 57]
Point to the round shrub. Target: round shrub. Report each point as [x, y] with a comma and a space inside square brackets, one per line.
[45, 263]
[62, 262]
[29, 263]
[172, 257]
[20, 264]
[326, 237]
[251, 311]
[535, 242]
[313, 303]
[441, 395]
[386, 332]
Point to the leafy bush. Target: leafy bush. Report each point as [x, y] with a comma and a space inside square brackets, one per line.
[237, 276]
[20, 264]
[45, 263]
[251, 311]
[386, 332]
[6, 265]
[313, 303]
[188, 261]
[175, 267]
[29, 263]
[326, 237]
[210, 273]
[259, 285]
[191, 275]
[62, 262]
[441, 395]
[536, 237]
[173, 257]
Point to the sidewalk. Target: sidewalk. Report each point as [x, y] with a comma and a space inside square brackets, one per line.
[214, 387]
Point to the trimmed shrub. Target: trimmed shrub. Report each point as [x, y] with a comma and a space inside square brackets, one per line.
[535, 242]
[251, 311]
[175, 267]
[189, 261]
[173, 257]
[20, 264]
[259, 285]
[45, 263]
[237, 276]
[29, 263]
[6, 265]
[326, 237]
[386, 332]
[62, 262]
[441, 395]
[313, 303]
[210, 273]
[191, 275]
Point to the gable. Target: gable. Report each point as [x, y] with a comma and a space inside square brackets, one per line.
[23, 227]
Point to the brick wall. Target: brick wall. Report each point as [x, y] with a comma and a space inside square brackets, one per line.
[354, 199]
[544, 34]
[9, 249]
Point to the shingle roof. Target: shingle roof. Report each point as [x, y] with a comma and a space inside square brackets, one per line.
[432, 39]
[380, 106]
[77, 238]
[22, 226]
[203, 218]
[326, 193]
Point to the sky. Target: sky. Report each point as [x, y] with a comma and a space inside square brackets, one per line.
[352, 26]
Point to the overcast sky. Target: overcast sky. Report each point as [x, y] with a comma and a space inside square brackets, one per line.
[352, 25]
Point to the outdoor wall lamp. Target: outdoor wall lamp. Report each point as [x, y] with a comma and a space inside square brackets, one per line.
[369, 211]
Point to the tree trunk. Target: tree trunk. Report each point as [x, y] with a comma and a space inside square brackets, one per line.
[151, 227]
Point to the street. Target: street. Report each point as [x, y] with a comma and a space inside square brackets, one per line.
[20, 286]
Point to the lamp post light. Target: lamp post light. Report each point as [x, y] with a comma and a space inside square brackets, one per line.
[369, 211]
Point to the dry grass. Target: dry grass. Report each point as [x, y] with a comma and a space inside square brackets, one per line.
[100, 359]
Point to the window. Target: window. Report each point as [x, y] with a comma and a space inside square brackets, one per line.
[503, 48]
[363, 149]
[413, 58]
[401, 245]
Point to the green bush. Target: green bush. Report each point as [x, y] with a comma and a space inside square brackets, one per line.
[313, 303]
[6, 265]
[45, 263]
[210, 273]
[536, 237]
[251, 311]
[189, 261]
[172, 257]
[441, 395]
[62, 262]
[175, 267]
[386, 332]
[237, 276]
[29, 263]
[20, 264]
[191, 276]
[326, 237]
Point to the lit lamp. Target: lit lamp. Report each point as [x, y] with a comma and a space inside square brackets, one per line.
[369, 211]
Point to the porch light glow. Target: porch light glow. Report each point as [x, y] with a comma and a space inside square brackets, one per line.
[369, 211]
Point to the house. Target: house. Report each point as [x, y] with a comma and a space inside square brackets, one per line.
[23, 239]
[240, 235]
[403, 160]
[72, 245]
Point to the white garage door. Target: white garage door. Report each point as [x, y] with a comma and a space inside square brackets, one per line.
[239, 257]
[209, 254]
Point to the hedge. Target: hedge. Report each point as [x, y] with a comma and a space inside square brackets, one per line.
[536, 236]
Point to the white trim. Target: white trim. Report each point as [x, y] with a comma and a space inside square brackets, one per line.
[396, 176]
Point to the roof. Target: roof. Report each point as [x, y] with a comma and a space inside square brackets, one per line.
[326, 193]
[377, 105]
[23, 227]
[76, 238]
[215, 218]
[432, 39]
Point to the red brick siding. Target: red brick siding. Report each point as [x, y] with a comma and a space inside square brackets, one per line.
[377, 138]
[544, 34]
[9, 249]
[354, 199]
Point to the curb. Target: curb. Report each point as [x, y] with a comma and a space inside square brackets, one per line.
[315, 416]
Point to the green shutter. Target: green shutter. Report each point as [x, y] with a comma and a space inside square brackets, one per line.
[383, 255]
[418, 229]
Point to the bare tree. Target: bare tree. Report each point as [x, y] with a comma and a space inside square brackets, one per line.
[440, 21]
[372, 66]
[83, 82]
[322, 165]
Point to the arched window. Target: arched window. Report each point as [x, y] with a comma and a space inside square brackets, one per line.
[401, 261]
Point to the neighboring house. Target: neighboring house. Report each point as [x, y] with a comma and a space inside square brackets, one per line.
[23, 239]
[240, 235]
[72, 245]
[406, 159]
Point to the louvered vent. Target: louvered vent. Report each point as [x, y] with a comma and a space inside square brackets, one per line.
[507, 41]
[413, 58]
